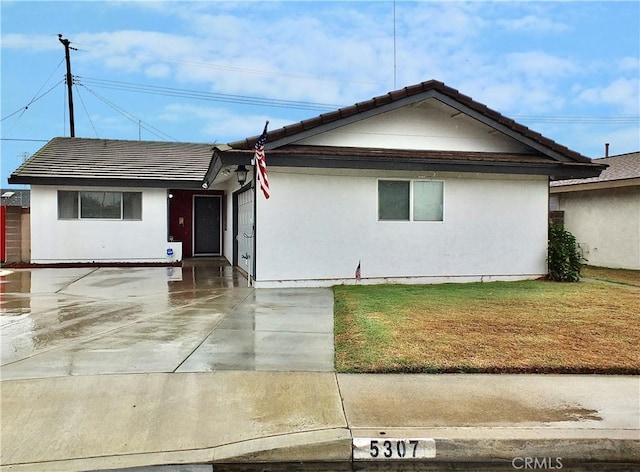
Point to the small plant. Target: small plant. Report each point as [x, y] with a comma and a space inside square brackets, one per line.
[565, 258]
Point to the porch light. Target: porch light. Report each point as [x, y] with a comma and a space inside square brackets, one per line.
[241, 174]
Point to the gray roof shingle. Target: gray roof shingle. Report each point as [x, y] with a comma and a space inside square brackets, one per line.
[95, 161]
[621, 167]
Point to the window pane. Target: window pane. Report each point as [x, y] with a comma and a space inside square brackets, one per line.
[427, 201]
[67, 204]
[393, 200]
[101, 205]
[132, 205]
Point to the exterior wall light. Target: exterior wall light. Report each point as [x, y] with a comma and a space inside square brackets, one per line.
[241, 174]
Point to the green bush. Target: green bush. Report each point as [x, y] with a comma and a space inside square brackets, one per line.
[565, 259]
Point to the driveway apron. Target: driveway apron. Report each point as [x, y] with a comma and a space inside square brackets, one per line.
[201, 317]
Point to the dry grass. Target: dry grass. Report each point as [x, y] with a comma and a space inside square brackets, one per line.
[620, 276]
[531, 326]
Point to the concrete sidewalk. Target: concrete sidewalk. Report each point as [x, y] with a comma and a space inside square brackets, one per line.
[133, 420]
[115, 368]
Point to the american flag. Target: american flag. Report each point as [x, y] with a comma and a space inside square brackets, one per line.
[358, 272]
[261, 161]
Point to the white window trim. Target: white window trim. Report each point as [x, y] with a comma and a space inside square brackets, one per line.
[411, 220]
[121, 192]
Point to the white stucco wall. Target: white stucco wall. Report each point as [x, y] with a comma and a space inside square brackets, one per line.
[606, 223]
[54, 241]
[316, 227]
[431, 125]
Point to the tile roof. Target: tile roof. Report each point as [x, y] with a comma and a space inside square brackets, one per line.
[103, 160]
[621, 167]
[414, 91]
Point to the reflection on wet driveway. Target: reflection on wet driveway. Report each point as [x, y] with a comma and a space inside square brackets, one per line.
[198, 318]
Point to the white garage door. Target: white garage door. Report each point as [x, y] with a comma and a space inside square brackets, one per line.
[245, 231]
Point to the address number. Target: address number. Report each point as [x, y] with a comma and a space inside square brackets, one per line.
[393, 448]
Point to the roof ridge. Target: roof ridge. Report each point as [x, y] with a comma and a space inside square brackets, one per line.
[626, 154]
[55, 138]
[407, 92]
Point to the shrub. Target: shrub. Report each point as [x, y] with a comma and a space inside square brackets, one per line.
[565, 259]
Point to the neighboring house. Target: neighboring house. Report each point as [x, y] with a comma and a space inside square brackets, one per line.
[101, 200]
[15, 244]
[422, 184]
[603, 212]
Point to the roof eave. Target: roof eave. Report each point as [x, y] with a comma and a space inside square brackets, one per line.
[552, 169]
[406, 96]
[601, 185]
[223, 158]
[100, 182]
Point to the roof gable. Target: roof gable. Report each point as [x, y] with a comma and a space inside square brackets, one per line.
[412, 96]
[427, 125]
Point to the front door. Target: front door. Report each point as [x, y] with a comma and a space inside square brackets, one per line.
[207, 234]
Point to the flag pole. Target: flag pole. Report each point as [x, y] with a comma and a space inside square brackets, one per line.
[255, 213]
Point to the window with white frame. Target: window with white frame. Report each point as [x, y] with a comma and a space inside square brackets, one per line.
[99, 205]
[410, 200]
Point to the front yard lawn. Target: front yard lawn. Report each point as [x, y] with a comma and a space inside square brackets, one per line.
[529, 326]
[619, 276]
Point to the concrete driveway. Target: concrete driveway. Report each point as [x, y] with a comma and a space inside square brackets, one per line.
[204, 370]
[198, 318]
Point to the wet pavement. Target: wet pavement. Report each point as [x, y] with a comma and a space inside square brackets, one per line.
[198, 318]
[115, 368]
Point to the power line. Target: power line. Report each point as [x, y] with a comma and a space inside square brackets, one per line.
[25, 140]
[579, 119]
[33, 100]
[35, 97]
[208, 96]
[131, 117]
[267, 72]
[86, 112]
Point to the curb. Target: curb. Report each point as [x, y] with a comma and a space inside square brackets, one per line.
[331, 449]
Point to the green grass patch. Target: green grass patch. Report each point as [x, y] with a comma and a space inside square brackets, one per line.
[619, 276]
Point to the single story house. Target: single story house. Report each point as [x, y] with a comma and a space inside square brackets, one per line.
[603, 212]
[422, 184]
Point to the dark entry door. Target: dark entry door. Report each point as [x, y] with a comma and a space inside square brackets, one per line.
[207, 234]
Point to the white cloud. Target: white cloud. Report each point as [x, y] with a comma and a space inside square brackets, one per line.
[539, 64]
[512, 97]
[219, 124]
[592, 138]
[38, 42]
[533, 24]
[621, 93]
[342, 52]
[629, 64]
[158, 71]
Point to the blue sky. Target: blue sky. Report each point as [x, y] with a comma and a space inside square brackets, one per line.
[215, 71]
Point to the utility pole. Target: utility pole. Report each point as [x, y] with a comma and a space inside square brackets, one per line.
[66, 43]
